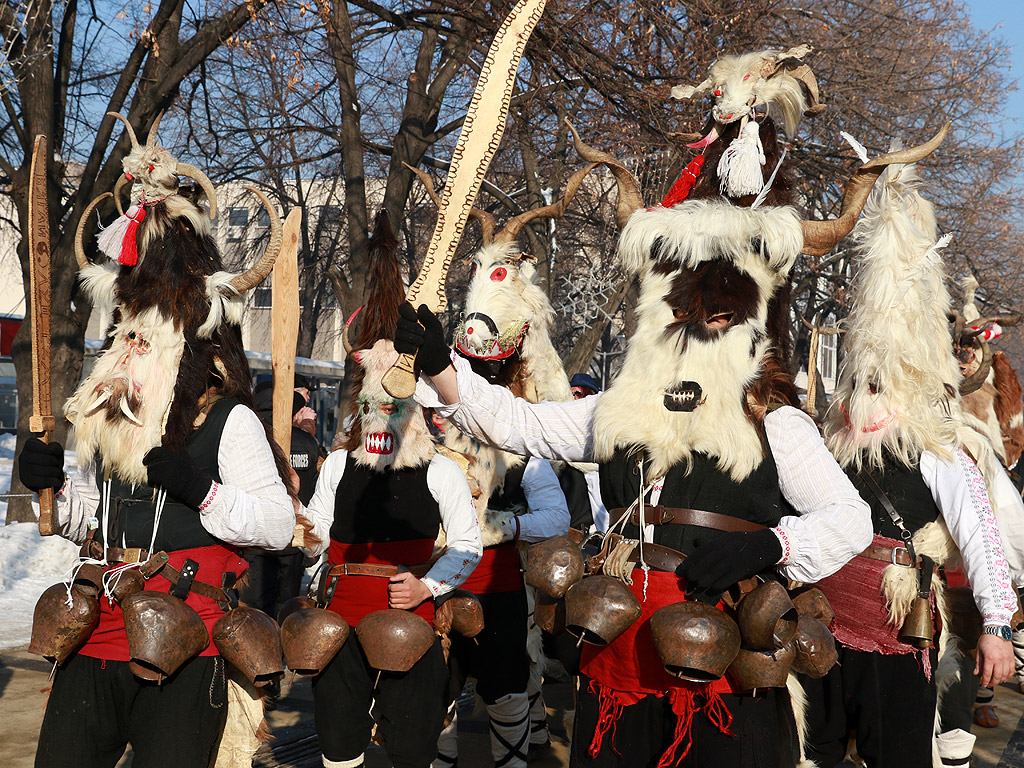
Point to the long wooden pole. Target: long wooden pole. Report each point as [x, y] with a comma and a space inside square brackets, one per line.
[284, 333]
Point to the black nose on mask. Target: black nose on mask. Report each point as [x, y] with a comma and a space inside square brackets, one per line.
[684, 396]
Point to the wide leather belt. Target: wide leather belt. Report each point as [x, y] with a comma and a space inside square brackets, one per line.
[94, 550]
[660, 515]
[894, 555]
[659, 557]
[377, 569]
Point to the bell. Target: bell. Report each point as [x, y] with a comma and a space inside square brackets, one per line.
[124, 582]
[917, 629]
[762, 669]
[766, 617]
[812, 602]
[394, 640]
[90, 578]
[293, 604]
[250, 641]
[695, 641]
[58, 630]
[310, 638]
[467, 613]
[554, 565]
[163, 633]
[815, 647]
[549, 614]
[599, 608]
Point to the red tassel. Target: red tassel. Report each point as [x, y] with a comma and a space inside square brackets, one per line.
[681, 189]
[129, 246]
[608, 712]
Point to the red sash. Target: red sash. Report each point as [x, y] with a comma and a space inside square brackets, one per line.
[357, 596]
[109, 640]
[499, 570]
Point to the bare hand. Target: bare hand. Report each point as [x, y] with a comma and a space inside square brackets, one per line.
[405, 591]
[995, 660]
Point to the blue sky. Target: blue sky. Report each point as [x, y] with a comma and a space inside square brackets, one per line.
[998, 16]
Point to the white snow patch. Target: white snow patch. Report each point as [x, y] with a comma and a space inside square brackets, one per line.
[7, 442]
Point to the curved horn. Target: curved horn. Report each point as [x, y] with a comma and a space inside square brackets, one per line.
[345, 340]
[184, 169]
[554, 211]
[151, 139]
[486, 219]
[83, 260]
[976, 379]
[122, 182]
[820, 237]
[689, 91]
[630, 197]
[259, 271]
[128, 127]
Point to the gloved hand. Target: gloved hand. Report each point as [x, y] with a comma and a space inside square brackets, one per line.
[41, 465]
[175, 472]
[728, 558]
[498, 526]
[420, 333]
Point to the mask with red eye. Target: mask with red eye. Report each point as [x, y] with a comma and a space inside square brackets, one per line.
[499, 274]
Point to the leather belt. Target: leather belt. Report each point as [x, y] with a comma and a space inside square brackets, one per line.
[660, 515]
[94, 550]
[377, 569]
[894, 555]
[659, 557]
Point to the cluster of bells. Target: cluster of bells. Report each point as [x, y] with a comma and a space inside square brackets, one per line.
[770, 634]
[164, 632]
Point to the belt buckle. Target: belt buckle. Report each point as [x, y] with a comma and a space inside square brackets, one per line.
[344, 569]
[892, 556]
[133, 555]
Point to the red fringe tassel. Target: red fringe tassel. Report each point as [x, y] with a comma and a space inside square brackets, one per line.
[129, 246]
[681, 189]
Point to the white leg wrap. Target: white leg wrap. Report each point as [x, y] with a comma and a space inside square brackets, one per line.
[355, 762]
[510, 730]
[448, 742]
[539, 735]
[955, 747]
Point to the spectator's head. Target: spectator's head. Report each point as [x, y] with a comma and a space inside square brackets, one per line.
[583, 385]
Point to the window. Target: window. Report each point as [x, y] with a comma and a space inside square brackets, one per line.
[261, 298]
[828, 344]
[238, 217]
[262, 218]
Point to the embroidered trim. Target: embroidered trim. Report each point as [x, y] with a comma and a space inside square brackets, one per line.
[786, 549]
[209, 496]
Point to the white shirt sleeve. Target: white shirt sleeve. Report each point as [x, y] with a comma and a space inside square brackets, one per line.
[560, 431]
[549, 513]
[463, 550]
[960, 494]
[834, 522]
[320, 510]
[250, 506]
[1009, 508]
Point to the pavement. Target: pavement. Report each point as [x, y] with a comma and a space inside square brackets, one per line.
[24, 683]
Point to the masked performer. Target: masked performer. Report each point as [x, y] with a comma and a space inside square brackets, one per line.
[892, 425]
[380, 501]
[176, 472]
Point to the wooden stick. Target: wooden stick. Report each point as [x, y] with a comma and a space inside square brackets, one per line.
[284, 333]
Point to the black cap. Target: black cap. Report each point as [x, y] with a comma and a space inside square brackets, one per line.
[584, 380]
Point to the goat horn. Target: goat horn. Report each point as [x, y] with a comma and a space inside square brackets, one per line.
[486, 219]
[976, 379]
[83, 260]
[820, 237]
[554, 211]
[346, 341]
[151, 139]
[184, 169]
[128, 126]
[259, 271]
[122, 182]
[630, 197]
[689, 91]
[1007, 320]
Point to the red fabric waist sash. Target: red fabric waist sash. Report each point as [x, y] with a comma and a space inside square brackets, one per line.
[357, 596]
[109, 640]
[499, 570]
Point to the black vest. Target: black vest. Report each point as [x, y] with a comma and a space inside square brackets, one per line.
[906, 491]
[305, 452]
[757, 498]
[133, 509]
[393, 505]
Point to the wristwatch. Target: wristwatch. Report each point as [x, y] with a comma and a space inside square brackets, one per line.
[999, 630]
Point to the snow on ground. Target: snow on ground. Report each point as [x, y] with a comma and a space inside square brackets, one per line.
[29, 563]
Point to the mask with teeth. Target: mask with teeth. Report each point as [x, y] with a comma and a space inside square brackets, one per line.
[390, 433]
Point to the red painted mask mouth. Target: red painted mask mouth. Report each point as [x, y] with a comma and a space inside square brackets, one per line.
[381, 443]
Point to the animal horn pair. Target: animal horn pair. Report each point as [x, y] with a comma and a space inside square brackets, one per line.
[486, 220]
[259, 271]
[820, 237]
[556, 210]
[976, 379]
[181, 169]
[346, 340]
[630, 197]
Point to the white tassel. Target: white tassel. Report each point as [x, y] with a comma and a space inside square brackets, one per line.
[858, 148]
[740, 166]
[111, 239]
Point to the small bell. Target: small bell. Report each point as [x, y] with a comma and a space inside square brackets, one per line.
[917, 627]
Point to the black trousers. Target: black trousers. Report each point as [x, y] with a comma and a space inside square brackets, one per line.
[272, 579]
[97, 707]
[762, 728]
[409, 706]
[498, 659]
[887, 700]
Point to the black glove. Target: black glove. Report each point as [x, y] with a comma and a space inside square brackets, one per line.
[420, 333]
[41, 465]
[728, 558]
[175, 472]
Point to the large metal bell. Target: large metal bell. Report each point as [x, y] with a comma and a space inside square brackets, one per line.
[394, 640]
[815, 647]
[695, 641]
[58, 630]
[124, 582]
[763, 669]
[311, 637]
[293, 604]
[554, 565]
[812, 602]
[467, 614]
[163, 633]
[250, 641]
[599, 608]
[767, 617]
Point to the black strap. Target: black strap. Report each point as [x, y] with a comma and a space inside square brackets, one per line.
[894, 515]
[925, 577]
[227, 583]
[183, 585]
